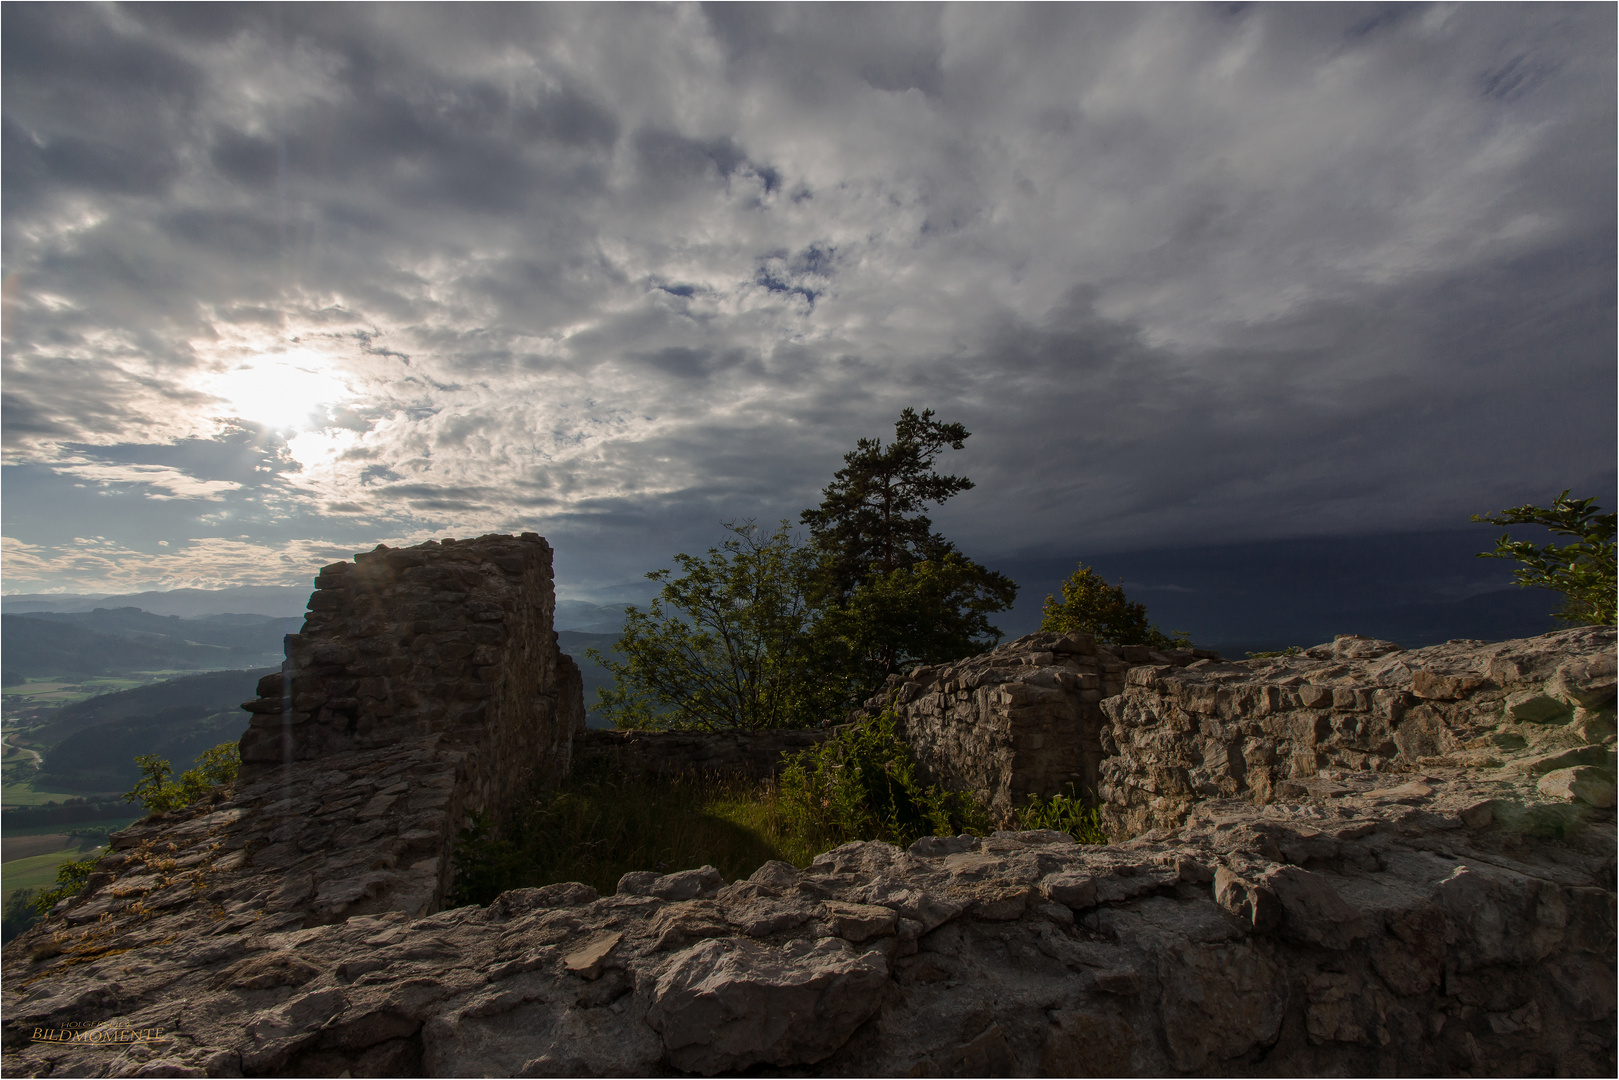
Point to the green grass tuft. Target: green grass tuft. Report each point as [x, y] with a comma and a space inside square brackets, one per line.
[599, 826]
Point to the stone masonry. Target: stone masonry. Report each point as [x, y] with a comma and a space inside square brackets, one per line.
[1360, 860]
[1151, 733]
[1024, 718]
[425, 686]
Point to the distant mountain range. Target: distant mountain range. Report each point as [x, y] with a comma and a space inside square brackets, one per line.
[126, 640]
[277, 601]
[280, 601]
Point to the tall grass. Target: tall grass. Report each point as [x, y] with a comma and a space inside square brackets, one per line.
[861, 784]
[601, 825]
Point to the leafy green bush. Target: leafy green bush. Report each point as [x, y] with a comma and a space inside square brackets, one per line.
[1064, 813]
[726, 645]
[157, 793]
[1291, 650]
[1584, 571]
[862, 784]
[930, 611]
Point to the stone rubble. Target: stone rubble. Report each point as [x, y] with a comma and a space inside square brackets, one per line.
[1412, 870]
[1424, 930]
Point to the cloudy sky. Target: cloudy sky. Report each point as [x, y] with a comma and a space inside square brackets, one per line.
[284, 281]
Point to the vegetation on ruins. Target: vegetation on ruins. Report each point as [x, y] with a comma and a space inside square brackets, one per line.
[863, 783]
[157, 794]
[1090, 605]
[1583, 571]
[70, 878]
[770, 632]
[601, 824]
[726, 645]
[1067, 813]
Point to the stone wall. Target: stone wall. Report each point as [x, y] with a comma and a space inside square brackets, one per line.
[448, 639]
[1411, 870]
[426, 686]
[1455, 926]
[754, 754]
[1024, 718]
[1276, 729]
[1151, 733]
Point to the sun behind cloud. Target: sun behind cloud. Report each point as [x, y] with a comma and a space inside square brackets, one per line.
[285, 391]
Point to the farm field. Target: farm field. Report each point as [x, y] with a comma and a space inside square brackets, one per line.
[37, 871]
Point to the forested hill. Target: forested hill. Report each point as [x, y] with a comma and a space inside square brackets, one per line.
[112, 641]
[92, 744]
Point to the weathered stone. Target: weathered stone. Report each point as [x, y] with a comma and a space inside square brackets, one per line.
[1535, 707]
[726, 1005]
[1391, 907]
[1584, 783]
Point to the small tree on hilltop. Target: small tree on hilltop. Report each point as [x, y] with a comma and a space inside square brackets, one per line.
[1584, 571]
[725, 645]
[1090, 605]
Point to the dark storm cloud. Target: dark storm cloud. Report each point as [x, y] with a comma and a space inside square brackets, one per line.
[618, 273]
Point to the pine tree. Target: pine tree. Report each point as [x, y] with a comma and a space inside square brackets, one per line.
[870, 515]
[892, 591]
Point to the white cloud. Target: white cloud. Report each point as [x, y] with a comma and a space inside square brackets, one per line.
[1177, 267]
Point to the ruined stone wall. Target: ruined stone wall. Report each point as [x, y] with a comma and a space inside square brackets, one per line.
[1411, 872]
[1277, 729]
[1151, 733]
[452, 638]
[425, 686]
[1024, 718]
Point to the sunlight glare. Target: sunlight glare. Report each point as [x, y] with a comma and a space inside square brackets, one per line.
[281, 391]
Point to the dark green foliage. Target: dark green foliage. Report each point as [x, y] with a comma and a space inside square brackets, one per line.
[1065, 813]
[19, 914]
[1091, 606]
[862, 784]
[600, 825]
[158, 794]
[70, 878]
[724, 646]
[767, 633]
[1291, 650]
[894, 593]
[929, 612]
[1584, 571]
[870, 515]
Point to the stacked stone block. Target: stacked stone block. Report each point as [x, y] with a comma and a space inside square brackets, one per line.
[433, 668]
[1148, 734]
[448, 639]
[1023, 719]
[1277, 728]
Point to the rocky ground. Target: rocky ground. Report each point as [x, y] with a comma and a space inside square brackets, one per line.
[1447, 911]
